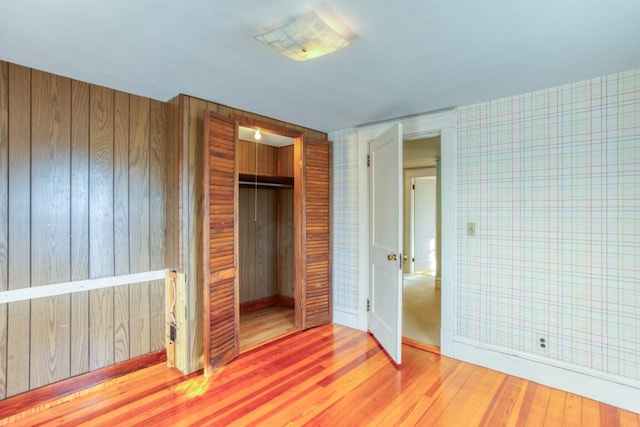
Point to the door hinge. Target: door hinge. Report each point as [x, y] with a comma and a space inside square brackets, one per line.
[368, 160]
[413, 187]
[301, 303]
[368, 306]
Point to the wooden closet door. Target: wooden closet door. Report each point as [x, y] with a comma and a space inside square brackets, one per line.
[221, 316]
[316, 233]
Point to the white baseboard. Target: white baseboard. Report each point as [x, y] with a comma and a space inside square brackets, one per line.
[602, 387]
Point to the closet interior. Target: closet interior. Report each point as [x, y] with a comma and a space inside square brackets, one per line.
[266, 263]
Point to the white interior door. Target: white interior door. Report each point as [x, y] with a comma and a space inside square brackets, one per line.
[385, 315]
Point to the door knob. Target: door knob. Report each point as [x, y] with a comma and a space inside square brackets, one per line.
[392, 257]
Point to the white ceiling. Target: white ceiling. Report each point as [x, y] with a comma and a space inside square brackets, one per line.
[272, 139]
[406, 57]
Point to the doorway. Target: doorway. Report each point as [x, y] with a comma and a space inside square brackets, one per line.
[266, 236]
[421, 313]
[437, 124]
[225, 167]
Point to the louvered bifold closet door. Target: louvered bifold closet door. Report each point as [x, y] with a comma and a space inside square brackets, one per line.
[221, 316]
[316, 229]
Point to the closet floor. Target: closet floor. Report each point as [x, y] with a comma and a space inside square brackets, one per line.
[261, 326]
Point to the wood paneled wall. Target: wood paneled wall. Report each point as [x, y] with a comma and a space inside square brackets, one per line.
[266, 243]
[285, 161]
[268, 161]
[188, 136]
[264, 161]
[258, 250]
[83, 181]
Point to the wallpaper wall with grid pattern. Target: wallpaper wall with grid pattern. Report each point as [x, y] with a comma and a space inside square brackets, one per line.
[345, 220]
[551, 180]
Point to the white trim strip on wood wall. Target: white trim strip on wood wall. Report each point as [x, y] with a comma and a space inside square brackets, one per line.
[78, 286]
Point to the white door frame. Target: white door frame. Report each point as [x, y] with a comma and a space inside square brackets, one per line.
[439, 123]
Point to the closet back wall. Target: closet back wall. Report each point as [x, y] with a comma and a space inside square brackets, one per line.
[82, 196]
[266, 244]
[257, 261]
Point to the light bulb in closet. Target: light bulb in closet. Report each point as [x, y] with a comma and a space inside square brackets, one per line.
[257, 136]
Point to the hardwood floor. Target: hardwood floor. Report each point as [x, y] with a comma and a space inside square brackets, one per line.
[261, 326]
[327, 376]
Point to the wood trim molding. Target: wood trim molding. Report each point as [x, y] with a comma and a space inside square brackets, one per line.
[258, 304]
[270, 301]
[286, 301]
[71, 388]
[271, 127]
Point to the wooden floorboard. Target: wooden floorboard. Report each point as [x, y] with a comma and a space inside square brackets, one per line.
[327, 376]
[70, 389]
[261, 326]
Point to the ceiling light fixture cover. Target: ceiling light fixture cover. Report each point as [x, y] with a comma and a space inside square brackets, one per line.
[305, 38]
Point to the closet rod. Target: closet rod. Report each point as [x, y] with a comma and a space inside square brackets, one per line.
[265, 184]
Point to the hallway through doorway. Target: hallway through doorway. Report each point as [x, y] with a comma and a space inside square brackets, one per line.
[421, 309]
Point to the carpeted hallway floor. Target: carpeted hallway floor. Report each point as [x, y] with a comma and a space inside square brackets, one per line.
[421, 309]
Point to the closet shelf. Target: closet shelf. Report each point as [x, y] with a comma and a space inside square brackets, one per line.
[265, 181]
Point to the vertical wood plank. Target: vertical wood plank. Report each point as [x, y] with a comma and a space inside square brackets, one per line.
[139, 223]
[256, 272]
[257, 158]
[50, 225]
[267, 159]
[184, 210]
[101, 241]
[171, 180]
[79, 225]
[184, 237]
[247, 249]
[223, 110]
[195, 194]
[157, 161]
[266, 241]
[247, 157]
[285, 161]
[121, 225]
[4, 218]
[19, 322]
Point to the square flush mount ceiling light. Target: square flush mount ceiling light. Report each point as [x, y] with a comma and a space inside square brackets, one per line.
[305, 38]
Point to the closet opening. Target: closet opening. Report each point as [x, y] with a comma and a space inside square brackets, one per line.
[266, 264]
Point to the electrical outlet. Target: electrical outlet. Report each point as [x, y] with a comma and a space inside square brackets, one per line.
[543, 343]
[471, 229]
[173, 332]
